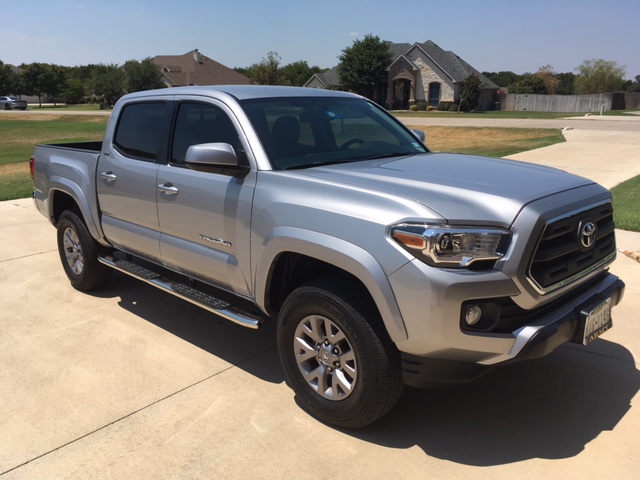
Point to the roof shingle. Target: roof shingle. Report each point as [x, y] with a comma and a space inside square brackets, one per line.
[194, 68]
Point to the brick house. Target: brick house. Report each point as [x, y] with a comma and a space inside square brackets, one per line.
[419, 72]
[194, 68]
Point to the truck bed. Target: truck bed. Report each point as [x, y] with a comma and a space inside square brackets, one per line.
[83, 146]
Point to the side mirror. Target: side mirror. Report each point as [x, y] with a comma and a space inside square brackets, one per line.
[215, 158]
[419, 134]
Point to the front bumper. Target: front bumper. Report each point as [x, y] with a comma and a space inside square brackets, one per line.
[535, 340]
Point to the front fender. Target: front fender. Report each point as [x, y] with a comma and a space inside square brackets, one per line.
[339, 253]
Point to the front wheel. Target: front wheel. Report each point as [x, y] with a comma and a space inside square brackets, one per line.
[337, 356]
[79, 254]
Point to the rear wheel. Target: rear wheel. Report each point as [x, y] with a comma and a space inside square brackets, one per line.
[79, 254]
[336, 355]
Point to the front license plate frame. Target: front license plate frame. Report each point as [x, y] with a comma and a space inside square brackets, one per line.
[596, 321]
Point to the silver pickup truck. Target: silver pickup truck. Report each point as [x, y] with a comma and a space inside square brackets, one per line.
[383, 264]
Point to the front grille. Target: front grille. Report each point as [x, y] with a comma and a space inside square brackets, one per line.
[562, 257]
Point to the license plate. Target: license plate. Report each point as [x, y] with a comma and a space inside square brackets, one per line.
[597, 321]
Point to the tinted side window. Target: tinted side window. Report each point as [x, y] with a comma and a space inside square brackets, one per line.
[139, 130]
[199, 123]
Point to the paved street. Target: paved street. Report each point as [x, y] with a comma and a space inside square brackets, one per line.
[132, 383]
[605, 123]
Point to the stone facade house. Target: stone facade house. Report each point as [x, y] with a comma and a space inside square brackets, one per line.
[194, 68]
[419, 72]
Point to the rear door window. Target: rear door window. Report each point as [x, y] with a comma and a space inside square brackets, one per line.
[139, 131]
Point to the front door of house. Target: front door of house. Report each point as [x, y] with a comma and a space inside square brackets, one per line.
[402, 95]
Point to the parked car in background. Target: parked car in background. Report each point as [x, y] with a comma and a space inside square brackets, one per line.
[10, 103]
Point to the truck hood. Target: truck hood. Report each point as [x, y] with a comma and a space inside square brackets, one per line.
[460, 188]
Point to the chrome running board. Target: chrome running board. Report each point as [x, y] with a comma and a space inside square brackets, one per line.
[186, 292]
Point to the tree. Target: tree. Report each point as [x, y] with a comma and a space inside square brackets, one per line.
[364, 64]
[74, 92]
[549, 78]
[9, 80]
[502, 79]
[36, 80]
[599, 76]
[56, 81]
[567, 83]
[267, 72]
[529, 84]
[297, 73]
[469, 93]
[108, 82]
[144, 75]
[634, 86]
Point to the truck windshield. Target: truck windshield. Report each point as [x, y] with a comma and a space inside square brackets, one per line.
[304, 132]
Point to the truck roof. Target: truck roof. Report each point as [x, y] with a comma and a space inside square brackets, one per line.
[245, 92]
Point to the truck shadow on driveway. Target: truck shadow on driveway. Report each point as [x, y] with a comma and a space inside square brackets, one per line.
[547, 408]
[233, 343]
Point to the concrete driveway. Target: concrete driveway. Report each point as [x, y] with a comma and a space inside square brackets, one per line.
[133, 383]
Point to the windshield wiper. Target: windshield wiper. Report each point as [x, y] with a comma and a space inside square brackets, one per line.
[363, 158]
[317, 164]
[388, 155]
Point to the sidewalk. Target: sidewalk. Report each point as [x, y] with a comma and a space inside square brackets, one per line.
[607, 157]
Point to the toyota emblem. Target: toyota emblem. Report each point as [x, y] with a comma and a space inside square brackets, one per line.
[587, 233]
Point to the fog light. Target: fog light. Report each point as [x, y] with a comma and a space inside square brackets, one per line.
[473, 315]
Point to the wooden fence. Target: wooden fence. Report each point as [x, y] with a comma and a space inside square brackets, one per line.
[569, 103]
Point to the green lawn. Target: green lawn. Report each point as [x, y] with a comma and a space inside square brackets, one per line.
[84, 107]
[626, 199]
[20, 133]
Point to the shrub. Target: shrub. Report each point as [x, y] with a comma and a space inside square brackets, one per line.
[448, 106]
[422, 106]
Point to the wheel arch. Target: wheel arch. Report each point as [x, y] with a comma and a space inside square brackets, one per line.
[66, 195]
[292, 257]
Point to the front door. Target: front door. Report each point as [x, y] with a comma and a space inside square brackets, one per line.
[205, 217]
[402, 94]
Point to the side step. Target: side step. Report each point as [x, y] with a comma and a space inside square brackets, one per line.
[181, 290]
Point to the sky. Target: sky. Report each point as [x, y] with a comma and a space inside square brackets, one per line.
[491, 35]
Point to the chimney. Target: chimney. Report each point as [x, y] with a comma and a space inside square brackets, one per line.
[197, 56]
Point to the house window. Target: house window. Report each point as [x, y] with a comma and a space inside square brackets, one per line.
[434, 93]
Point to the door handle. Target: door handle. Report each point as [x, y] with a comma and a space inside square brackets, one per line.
[108, 176]
[168, 189]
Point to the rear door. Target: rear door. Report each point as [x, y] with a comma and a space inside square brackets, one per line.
[127, 172]
[205, 217]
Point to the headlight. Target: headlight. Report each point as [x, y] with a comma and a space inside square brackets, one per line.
[451, 246]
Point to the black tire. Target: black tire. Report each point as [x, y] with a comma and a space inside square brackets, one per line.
[79, 254]
[337, 356]
[7, 106]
